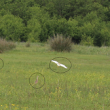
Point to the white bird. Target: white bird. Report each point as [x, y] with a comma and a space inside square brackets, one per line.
[58, 64]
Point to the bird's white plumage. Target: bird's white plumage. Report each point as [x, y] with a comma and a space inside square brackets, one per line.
[63, 65]
[59, 64]
[54, 61]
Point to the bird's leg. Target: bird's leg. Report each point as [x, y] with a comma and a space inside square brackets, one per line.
[36, 80]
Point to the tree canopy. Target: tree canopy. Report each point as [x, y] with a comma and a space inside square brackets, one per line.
[85, 21]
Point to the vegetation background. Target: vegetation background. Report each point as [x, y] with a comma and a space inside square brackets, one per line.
[86, 86]
[85, 21]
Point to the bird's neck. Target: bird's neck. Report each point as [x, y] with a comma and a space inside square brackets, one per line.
[58, 64]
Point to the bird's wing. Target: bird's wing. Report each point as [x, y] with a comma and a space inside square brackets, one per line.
[63, 65]
[54, 61]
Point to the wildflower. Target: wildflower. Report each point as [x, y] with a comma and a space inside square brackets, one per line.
[6, 106]
[25, 108]
[76, 89]
[13, 104]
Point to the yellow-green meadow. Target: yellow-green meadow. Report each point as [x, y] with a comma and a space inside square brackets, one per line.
[86, 86]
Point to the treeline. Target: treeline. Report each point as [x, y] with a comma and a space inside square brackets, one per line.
[85, 21]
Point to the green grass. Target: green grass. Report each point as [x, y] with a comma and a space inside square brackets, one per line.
[86, 86]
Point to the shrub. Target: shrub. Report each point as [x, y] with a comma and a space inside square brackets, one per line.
[60, 43]
[6, 45]
[27, 44]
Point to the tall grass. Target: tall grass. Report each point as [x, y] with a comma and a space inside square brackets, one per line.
[104, 50]
[84, 87]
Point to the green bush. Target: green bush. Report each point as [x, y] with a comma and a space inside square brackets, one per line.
[95, 31]
[74, 30]
[60, 43]
[39, 22]
[6, 45]
[34, 28]
[11, 27]
[86, 40]
[105, 33]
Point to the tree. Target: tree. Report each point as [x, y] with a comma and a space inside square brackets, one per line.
[105, 33]
[34, 28]
[73, 30]
[12, 27]
[43, 18]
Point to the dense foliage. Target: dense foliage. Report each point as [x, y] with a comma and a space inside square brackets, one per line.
[85, 21]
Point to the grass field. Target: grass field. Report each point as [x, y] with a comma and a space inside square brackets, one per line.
[86, 86]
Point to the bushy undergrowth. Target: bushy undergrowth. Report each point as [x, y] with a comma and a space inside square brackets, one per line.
[60, 43]
[6, 45]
